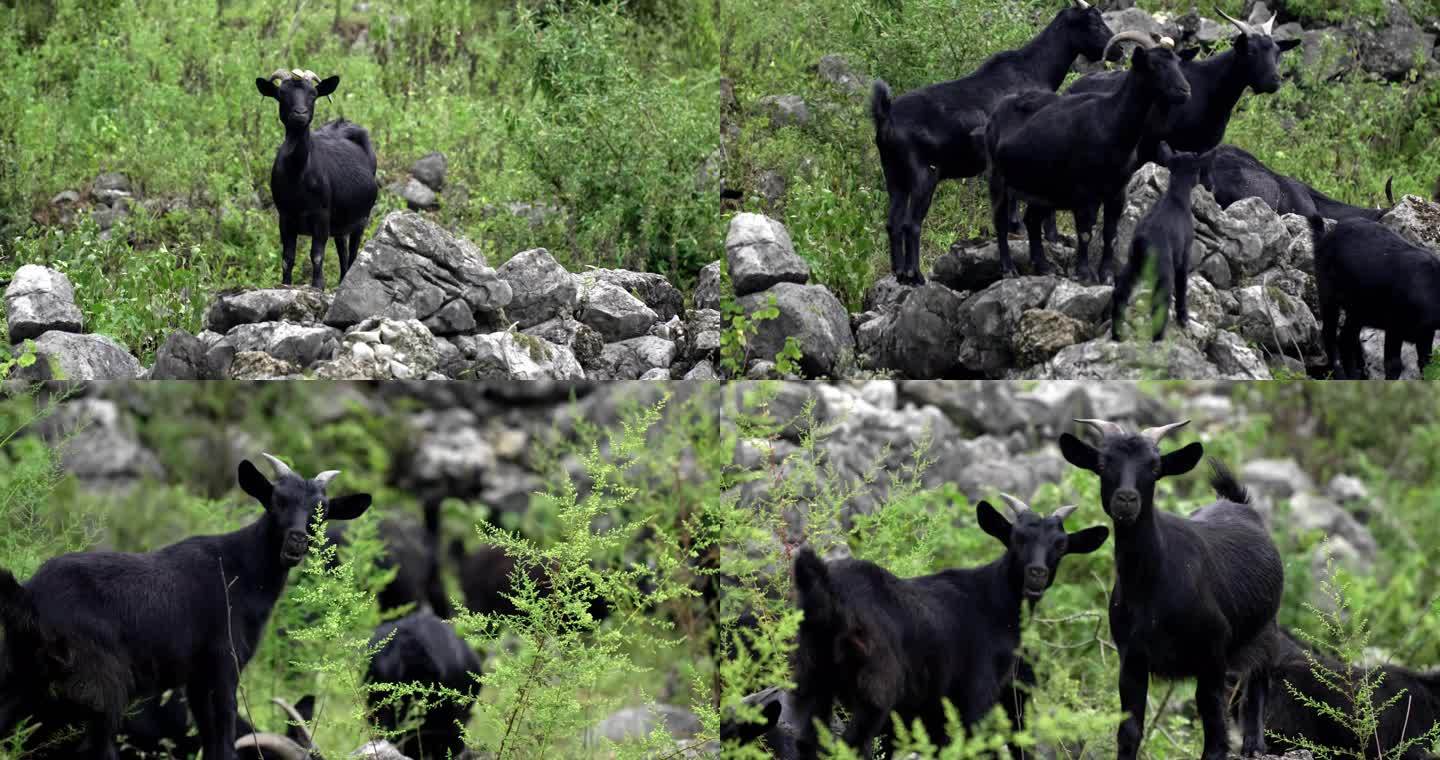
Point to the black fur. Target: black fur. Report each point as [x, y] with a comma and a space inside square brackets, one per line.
[412, 550]
[486, 580]
[880, 644]
[776, 732]
[928, 135]
[1417, 711]
[1166, 233]
[425, 650]
[1235, 175]
[322, 182]
[1194, 597]
[1075, 153]
[100, 629]
[1378, 279]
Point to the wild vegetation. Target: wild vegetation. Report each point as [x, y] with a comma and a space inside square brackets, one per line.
[575, 126]
[796, 497]
[613, 518]
[1343, 136]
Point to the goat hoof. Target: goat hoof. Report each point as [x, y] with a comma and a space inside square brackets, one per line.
[1250, 748]
[1086, 276]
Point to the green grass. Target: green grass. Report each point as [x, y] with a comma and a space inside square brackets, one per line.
[605, 109]
[1344, 138]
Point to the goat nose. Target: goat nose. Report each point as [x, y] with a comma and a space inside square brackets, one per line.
[1036, 573]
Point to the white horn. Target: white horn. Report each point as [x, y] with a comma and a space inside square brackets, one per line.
[1106, 427]
[325, 477]
[1064, 512]
[1241, 25]
[1157, 434]
[1016, 506]
[1131, 36]
[1269, 26]
[1082, 5]
[281, 469]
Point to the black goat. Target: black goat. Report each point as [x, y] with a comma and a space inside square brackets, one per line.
[1166, 233]
[1235, 175]
[880, 644]
[100, 629]
[323, 183]
[1287, 719]
[1377, 279]
[424, 650]
[1194, 597]
[411, 549]
[486, 578]
[775, 733]
[1075, 152]
[928, 135]
[1216, 84]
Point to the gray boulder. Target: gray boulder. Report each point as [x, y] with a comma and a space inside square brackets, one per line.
[516, 356]
[381, 348]
[784, 110]
[990, 320]
[1104, 359]
[1417, 220]
[38, 300]
[836, 70]
[430, 169]
[1042, 333]
[632, 359]
[707, 287]
[181, 357]
[418, 196]
[542, 288]
[1277, 321]
[582, 340]
[258, 365]
[1235, 359]
[73, 356]
[301, 345]
[652, 289]
[923, 339]
[760, 254]
[299, 305]
[414, 269]
[813, 316]
[613, 312]
[1390, 50]
[634, 723]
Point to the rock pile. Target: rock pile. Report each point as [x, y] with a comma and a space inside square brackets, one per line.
[419, 303]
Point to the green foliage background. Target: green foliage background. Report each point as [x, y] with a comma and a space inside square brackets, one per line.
[1076, 709]
[605, 109]
[614, 517]
[1344, 138]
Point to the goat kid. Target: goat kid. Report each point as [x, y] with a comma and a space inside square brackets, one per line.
[879, 644]
[1076, 152]
[1193, 596]
[1165, 233]
[101, 629]
[928, 135]
[421, 648]
[322, 182]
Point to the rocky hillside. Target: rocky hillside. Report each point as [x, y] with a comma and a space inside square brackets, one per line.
[1254, 313]
[417, 303]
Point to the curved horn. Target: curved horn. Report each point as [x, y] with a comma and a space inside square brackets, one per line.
[1082, 5]
[1064, 512]
[1106, 427]
[1241, 25]
[1129, 36]
[273, 745]
[1016, 506]
[1167, 42]
[1390, 191]
[325, 477]
[298, 720]
[281, 469]
[1157, 434]
[279, 74]
[1268, 28]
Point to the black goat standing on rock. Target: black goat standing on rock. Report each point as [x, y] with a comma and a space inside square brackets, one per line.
[100, 629]
[1194, 596]
[880, 644]
[322, 182]
[930, 134]
[1076, 152]
[1166, 232]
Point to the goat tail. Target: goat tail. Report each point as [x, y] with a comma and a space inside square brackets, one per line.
[1317, 230]
[1390, 190]
[1225, 484]
[812, 580]
[880, 104]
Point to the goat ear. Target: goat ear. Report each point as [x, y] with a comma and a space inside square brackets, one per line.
[254, 482]
[266, 87]
[1079, 453]
[1181, 461]
[991, 522]
[328, 85]
[1086, 541]
[1285, 45]
[306, 707]
[347, 507]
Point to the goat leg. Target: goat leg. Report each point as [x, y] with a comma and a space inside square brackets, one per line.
[354, 246]
[1424, 342]
[1034, 224]
[919, 209]
[1084, 229]
[865, 726]
[1124, 284]
[1394, 341]
[1160, 299]
[342, 245]
[1182, 287]
[895, 229]
[1114, 209]
[1210, 701]
[1000, 218]
[1352, 353]
[1134, 686]
[1252, 716]
[288, 234]
[317, 259]
[1329, 336]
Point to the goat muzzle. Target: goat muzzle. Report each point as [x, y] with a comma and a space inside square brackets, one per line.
[295, 547]
[1125, 505]
[1036, 579]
